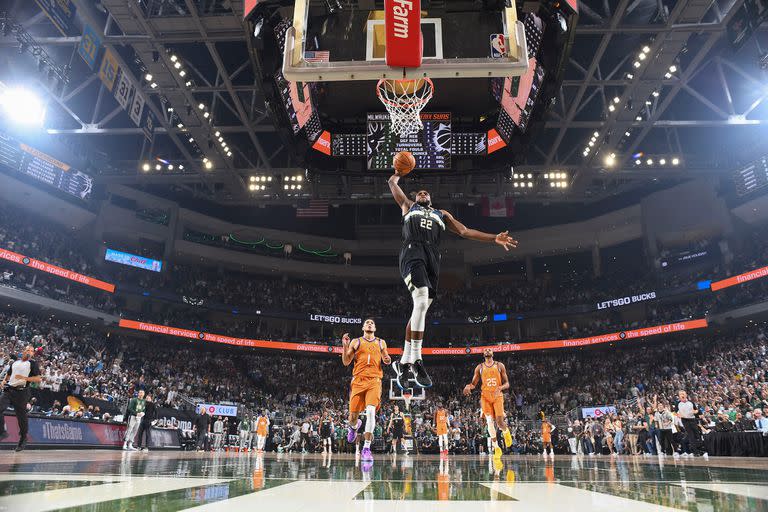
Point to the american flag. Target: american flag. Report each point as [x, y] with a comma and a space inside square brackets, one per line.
[312, 208]
[318, 56]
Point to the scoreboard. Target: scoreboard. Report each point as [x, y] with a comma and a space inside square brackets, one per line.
[752, 176]
[18, 157]
[431, 146]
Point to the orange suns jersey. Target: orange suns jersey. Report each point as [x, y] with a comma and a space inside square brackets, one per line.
[546, 430]
[261, 426]
[490, 377]
[368, 358]
[441, 421]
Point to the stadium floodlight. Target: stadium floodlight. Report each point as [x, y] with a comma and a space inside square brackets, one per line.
[663, 162]
[182, 73]
[158, 167]
[675, 161]
[209, 165]
[22, 106]
[655, 94]
[672, 68]
[646, 49]
[145, 167]
[148, 77]
[609, 160]
[611, 108]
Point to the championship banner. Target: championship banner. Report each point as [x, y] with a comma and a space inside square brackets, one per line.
[60, 12]
[137, 108]
[89, 46]
[49, 431]
[56, 271]
[124, 91]
[436, 351]
[758, 273]
[108, 69]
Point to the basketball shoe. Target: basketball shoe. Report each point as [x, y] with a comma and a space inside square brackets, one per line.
[404, 373]
[352, 431]
[420, 373]
[507, 438]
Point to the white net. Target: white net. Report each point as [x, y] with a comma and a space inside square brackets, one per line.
[404, 100]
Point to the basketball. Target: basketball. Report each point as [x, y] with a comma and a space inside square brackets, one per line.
[403, 162]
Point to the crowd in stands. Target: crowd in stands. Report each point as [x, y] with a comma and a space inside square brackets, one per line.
[724, 373]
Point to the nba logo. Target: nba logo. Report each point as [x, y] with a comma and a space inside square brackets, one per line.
[498, 46]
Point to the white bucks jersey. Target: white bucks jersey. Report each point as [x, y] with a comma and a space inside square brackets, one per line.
[423, 224]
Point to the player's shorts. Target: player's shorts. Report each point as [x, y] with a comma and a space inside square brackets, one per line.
[492, 407]
[398, 433]
[546, 439]
[365, 391]
[420, 266]
[442, 432]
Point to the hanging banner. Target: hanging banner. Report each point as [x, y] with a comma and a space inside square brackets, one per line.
[124, 91]
[60, 12]
[148, 126]
[108, 69]
[137, 108]
[89, 46]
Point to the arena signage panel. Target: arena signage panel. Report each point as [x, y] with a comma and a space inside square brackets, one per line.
[49, 431]
[758, 273]
[56, 271]
[435, 351]
[625, 301]
[335, 319]
[597, 412]
[217, 409]
[133, 260]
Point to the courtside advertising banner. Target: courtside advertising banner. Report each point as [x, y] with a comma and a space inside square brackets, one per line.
[597, 412]
[758, 273]
[49, 431]
[434, 351]
[56, 271]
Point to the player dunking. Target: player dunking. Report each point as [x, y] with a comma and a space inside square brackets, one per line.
[423, 226]
[493, 376]
[441, 427]
[368, 352]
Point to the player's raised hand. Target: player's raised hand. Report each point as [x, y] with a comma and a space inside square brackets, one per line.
[345, 340]
[506, 241]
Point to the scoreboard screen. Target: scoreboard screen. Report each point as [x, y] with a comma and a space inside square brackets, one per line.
[431, 146]
[752, 176]
[18, 157]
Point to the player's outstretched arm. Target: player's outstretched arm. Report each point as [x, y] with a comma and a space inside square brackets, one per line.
[503, 238]
[400, 197]
[475, 379]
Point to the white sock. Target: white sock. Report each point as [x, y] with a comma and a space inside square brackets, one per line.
[367, 443]
[406, 357]
[415, 350]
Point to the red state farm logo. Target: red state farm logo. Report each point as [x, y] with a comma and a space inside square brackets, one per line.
[401, 9]
[323, 143]
[495, 142]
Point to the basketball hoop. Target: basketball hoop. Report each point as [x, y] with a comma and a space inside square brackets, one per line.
[407, 397]
[404, 100]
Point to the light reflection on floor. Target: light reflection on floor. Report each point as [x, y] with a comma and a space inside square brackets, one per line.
[164, 481]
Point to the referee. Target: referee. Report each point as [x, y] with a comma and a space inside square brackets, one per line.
[15, 392]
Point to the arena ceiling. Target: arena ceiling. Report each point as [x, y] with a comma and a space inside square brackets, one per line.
[693, 98]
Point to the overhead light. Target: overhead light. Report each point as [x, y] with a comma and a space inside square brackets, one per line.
[269, 178]
[655, 94]
[174, 58]
[293, 187]
[546, 176]
[609, 160]
[639, 118]
[209, 165]
[564, 184]
[611, 108]
[182, 73]
[177, 65]
[191, 139]
[286, 178]
[253, 178]
[638, 162]
[201, 106]
[616, 99]
[148, 77]
[596, 134]
[153, 85]
[630, 76]
[530, 184]
[626, 134]
[170, 167]
[662, 162]
[298, 187]
[299, 178]
[285, 187]
[170, 109]
[22, 106]
[668, 76]
[189, 83]
[646, 49]
[229, 153]
[145, 167]
[516, 184]
[552, 184]
[675, 161]
[649, 161]
[590, 143]
[158, 167]
[529, 176]
[206, 115]
[648, 102]
[180, 125]
[263, 187]
[641, 56]
[221, 139]
[181, 167]
[672, 68]
[217, 133]
[205, 159]
[636, 64]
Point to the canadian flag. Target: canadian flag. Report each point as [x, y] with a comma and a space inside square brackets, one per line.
[498, 207]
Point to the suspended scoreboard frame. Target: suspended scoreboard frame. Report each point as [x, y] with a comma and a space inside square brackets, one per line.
[297, 69]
